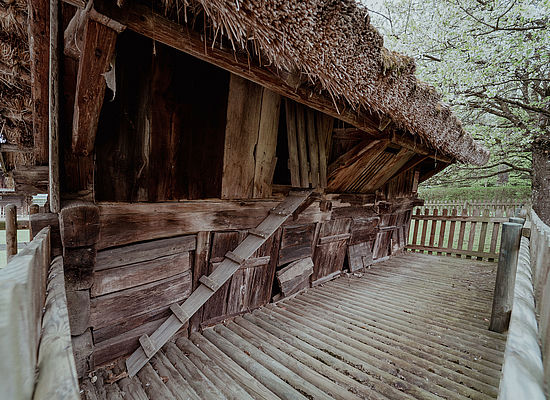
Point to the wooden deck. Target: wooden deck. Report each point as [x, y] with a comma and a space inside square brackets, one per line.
[414, 326]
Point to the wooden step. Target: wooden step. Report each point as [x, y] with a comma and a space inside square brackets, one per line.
[210, 284]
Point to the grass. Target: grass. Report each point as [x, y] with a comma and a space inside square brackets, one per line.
[23, 235]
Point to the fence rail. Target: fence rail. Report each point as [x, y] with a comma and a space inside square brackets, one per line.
[495, 208]
[472, 235]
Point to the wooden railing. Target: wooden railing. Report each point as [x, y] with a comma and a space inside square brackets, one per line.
[494, 208]
[473, 236]
[526, 366]
[35, 344]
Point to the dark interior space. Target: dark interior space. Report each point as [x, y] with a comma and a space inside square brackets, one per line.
[162, 136]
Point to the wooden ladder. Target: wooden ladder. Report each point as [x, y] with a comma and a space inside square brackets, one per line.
[210, 284]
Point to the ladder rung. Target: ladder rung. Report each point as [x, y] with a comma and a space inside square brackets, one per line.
[147, 346]
[180, 313]
[209, 283]
[274, 211]
[259, 233]
[233, 257]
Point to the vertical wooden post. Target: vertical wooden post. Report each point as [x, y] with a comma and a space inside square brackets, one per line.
[506, 277]
[11, 230]
[54, 199]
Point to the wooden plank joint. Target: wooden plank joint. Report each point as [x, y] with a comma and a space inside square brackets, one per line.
[147, 346]
[234, 257]
[180, 313]
[209, 283]
[258, 233]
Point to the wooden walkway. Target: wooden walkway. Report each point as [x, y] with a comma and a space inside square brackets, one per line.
[414, 326]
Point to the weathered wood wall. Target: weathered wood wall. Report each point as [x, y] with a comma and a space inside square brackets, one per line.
[182, 164]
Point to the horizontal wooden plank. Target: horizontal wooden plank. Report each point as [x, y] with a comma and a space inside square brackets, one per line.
[120, 278]
[125, 223]
[454, 251]
[140, 252]
[334, 238]
[21, 224]
[115, 307]
[459, 218]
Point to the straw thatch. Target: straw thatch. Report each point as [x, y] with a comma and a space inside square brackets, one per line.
[15, 81]
[334, 45]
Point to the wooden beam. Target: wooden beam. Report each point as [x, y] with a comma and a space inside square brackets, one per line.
[15, 148]
[241, 136]
[267, 144]
[31, 180]
[293, 163]
[144, 21]
[413, 162]
[39, 34]
[124, 223]
[95, 61]
[53, 111]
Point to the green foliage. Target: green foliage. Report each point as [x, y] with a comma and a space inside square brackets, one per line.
[491, 61]
[440, 193]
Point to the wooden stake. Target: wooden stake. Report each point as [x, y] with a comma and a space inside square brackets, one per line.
[506, 277]
[55, 204]
[11, 230]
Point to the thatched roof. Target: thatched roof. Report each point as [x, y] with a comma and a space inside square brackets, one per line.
[333, 43]
[15, 81]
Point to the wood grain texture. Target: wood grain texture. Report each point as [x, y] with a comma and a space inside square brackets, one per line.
[22, 296]
[267, 144]
[115, 307]
[146, 251]
[57, 377]
[294, 274]
[120, 278]
[124, 223]
[39, 33]
[241, 136]
[95, 60]
[79, 224]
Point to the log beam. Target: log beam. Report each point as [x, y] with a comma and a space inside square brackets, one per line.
[39, 34]
[99, 41]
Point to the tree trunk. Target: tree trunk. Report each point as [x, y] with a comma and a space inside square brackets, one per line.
[541, 178]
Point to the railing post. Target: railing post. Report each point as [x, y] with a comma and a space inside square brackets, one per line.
[11, 230]
[506, 276]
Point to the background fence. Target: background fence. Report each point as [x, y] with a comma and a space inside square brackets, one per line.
[492, 208]
[474, 234]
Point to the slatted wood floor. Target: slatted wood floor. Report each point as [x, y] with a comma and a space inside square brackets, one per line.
[411, 327]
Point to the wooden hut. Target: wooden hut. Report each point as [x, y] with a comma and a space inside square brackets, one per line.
[181, 126]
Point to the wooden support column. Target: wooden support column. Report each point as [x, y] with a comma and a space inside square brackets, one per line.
[53, 111]
[506, 277]
[79, 229]
[11, 230]
[99, 40]
[39, 34]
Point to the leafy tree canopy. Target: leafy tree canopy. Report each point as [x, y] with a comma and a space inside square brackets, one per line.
[491, 61]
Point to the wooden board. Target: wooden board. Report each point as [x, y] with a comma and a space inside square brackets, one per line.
[146, 251]
[359, 256]
[381, 244]
[293, 160]
[57, 375]
[124, 223]
[294, 274]
[115, 307]
[95, 60]
[296, 243]
[120, 278]
[241, 136]
[266, 146]
[328, 259]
